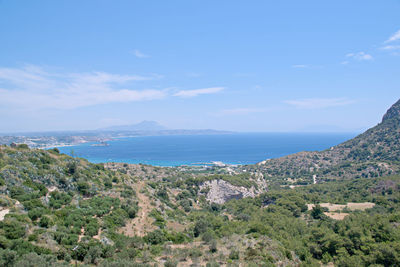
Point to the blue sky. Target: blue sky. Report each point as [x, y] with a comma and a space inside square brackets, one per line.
[228, 65]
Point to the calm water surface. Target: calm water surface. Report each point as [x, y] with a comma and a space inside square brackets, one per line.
[246, 148]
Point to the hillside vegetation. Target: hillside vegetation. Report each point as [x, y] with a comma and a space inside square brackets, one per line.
[62, 209]
[57, 210]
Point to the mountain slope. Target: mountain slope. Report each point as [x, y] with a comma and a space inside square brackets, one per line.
[374, 153]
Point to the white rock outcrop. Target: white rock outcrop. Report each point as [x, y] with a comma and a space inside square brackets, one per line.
[220, 191]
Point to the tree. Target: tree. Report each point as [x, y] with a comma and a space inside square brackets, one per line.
[156, 237]
[200, 227]
[13, 229]
[317, 212]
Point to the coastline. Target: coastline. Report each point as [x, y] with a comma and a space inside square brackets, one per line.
[202, 150]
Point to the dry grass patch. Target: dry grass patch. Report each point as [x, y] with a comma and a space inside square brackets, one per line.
[338, 207]
[336, 215]
[335, 211]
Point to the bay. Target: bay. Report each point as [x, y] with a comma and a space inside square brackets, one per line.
[175, 150]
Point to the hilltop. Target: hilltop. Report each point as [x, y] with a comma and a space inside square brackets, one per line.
[374, 153]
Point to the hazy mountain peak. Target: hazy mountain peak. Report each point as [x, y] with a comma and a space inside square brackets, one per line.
[150, 124]
[141, 126]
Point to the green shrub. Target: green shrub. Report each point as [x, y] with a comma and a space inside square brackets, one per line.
[171, 263]
[83, 188]
[12, 228]
[234, 255]
[200, 227]
[58, 199]
[36, 213]
[54, 151]
[208, 236]
[22, 146]
[45, 221]
[116, 218]
[156, 237]
[213, 246]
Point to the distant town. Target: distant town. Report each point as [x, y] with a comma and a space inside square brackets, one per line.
[98, 137]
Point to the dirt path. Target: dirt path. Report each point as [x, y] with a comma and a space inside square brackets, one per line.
[81, 235]
[142, 223]
[98, 236]
[49, 190]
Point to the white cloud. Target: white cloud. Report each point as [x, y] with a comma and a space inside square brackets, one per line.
[31, 87]
[361, 56]
[139, 54]
[300, 66]
[241, 111]
[391, 47]
[318, 103]
[196, 92]
[394, 37]
[108, 78]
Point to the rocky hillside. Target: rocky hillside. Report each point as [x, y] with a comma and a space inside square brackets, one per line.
[374, 153]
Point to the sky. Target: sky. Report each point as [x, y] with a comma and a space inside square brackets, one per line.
[249, 66]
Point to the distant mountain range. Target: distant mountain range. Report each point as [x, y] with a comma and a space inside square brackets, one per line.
[152, 128]
[141, 126]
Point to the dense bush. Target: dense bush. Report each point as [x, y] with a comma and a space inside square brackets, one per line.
[12, 229]
[156, 237]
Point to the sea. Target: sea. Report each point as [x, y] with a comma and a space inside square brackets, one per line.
[176, 150]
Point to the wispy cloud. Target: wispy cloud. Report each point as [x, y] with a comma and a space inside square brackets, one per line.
[139, 54]
[394, 37]
[196, 92]
[360, 56]
[32, 87]
[300, 66]
[391, 47]
[318, 103]
[241, 111]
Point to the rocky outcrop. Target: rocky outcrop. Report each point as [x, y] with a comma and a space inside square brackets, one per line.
[220, 191]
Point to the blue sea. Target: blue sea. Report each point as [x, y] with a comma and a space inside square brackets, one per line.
[175, 150]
